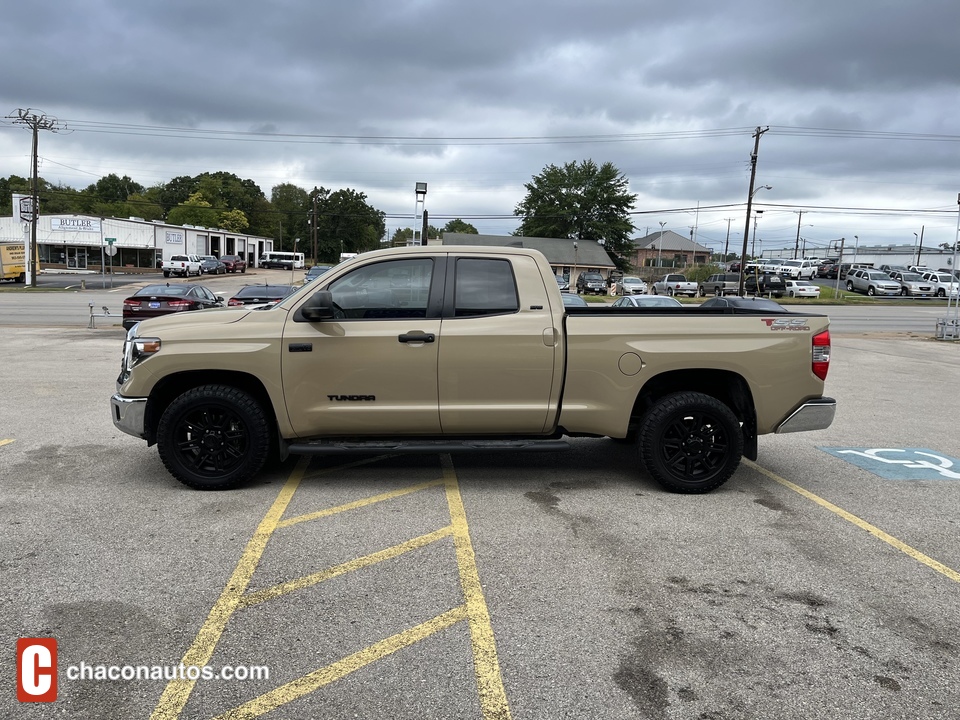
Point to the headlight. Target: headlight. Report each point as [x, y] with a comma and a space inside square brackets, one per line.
[136, 349]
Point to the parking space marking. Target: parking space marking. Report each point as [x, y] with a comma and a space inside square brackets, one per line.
[900, 463]
[5, 442]
[490, 688]
[862, 524]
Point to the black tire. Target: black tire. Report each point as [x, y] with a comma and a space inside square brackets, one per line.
[242, 271]
[941, 292]
[702, 292]
[690, 442]
[903, 292]
[670, 292]
[213, 437]
[849, 286]
[871, 291]
[166, 273]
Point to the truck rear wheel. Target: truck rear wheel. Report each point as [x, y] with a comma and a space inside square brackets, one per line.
[690, 442]
[213, 437]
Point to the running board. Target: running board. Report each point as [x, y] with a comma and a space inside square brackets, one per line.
[411, 447]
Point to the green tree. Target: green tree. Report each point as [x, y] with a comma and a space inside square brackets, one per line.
[346, 222]
[196, 210]
[291, 207]
[580, 201]
[459, 226]
[233, 220]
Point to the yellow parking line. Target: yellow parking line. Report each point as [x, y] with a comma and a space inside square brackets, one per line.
[5, 442]
[493, 697]
[862, 524]
[177, 692]
[359, 503]
[324, 676]
[332, 572]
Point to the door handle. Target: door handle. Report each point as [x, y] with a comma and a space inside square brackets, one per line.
[417, 337]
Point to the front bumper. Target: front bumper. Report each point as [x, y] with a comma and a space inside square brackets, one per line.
[812, 415]
[128, 414]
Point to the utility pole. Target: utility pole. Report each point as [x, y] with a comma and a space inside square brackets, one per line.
[796, 245]
[753, 177]
[36, 123]
[314, 228]
[726, 245]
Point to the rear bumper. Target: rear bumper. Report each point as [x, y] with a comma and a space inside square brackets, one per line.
[812, 415]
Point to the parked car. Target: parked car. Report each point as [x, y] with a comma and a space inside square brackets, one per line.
[571, 300]
[826, 269]
[647, 301]
[801, 289]
[234, 263]
[260, 295]
[630, 286]
[563, 284]
[944, 283]
[798, 269]
[720, 284]
[845, 268]
[913, 284]
[872, 282]
[764, 283]
[315, 272]
[675, 284]
[893, 268]
[591, 282]
[744, 303]
[210, 265]
[165, 299]
[919, 269]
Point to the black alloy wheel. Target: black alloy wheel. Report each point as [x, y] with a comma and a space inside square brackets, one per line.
[690, 442]
[213, 437]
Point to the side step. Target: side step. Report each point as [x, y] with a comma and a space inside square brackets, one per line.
[413, 446]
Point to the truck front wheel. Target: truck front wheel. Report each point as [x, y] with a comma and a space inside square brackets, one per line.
[213, 437]
[690, 442]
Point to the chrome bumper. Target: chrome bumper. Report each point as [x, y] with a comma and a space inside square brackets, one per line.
[128, 414]
[812, 415]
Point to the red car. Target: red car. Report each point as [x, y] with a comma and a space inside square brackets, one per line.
[156, 300]
[234, 263]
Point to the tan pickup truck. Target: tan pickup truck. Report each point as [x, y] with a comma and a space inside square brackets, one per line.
[445, 349]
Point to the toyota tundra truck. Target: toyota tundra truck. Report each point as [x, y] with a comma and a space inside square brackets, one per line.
[445, 349]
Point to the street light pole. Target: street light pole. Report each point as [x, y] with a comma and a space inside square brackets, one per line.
[753, 247]
[796, 245]
[856, 246]
[660, 245]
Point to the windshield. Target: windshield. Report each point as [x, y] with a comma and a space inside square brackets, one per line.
[877, 276]
[912, 277]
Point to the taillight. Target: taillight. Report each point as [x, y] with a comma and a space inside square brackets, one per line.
[179, 304]
[131, 303]
[234, 303]
[821, 354]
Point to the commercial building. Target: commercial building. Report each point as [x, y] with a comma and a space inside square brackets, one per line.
[82, 242]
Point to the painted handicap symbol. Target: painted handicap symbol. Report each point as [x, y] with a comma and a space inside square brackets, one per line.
[901, 463]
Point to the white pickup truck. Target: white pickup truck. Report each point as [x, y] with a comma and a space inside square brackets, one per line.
[181, 265]
[675, 284]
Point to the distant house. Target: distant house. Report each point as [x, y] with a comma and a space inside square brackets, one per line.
[567, 257]
[668, 249]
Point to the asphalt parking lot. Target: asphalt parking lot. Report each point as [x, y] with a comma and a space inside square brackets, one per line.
[821, 581]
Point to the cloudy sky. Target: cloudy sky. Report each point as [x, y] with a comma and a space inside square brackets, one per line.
[860, 97]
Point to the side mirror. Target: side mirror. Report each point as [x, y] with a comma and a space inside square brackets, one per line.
[318, 307]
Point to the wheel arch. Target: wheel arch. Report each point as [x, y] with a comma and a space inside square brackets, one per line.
[726, 386]
[171, 387]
